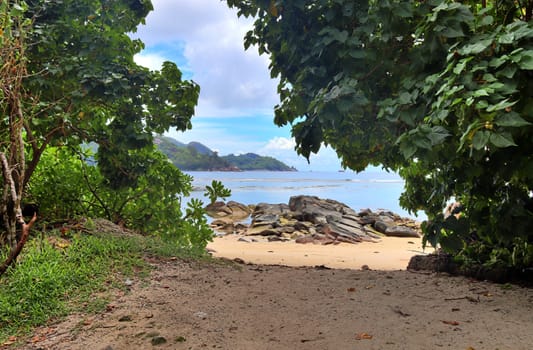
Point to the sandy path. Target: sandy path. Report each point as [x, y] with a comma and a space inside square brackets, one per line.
[252, 307]
[390, 253]
[194, 305]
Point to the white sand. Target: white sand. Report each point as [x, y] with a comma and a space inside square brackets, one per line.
[390, 253]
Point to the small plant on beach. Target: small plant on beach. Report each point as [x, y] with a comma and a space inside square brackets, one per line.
[195, 224]
[216, 190]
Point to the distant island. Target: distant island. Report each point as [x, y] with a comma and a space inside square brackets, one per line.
[195, 156]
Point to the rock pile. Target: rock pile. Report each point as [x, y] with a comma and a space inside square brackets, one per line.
[309, 219]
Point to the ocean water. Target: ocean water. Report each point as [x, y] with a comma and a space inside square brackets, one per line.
[369, 189]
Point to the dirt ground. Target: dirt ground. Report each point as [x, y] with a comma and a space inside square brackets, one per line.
[192, 305]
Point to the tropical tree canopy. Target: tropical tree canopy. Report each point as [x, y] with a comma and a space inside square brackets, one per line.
[69, 79]
[88, 87]
[439, 91]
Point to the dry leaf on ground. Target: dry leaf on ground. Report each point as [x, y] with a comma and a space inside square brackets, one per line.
[362, 336]
[453, 323]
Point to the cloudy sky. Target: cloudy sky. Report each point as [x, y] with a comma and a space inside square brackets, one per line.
[235, 111]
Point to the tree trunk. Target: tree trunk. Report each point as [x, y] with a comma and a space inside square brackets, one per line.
[20, 244]
[12, 157]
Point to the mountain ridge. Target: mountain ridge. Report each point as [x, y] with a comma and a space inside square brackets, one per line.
[196, 156]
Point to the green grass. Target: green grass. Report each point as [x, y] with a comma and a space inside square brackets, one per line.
[48, 283]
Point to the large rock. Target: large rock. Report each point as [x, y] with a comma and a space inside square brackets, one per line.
[309, 218]
[233, 210]
[388, 224]
[401, 231]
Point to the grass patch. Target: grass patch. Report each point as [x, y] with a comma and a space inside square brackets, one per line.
[50, 282]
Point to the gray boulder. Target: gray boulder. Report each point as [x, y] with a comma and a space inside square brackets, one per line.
[401, 231]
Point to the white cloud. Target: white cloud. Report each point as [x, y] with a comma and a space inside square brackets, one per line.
[282, 148]
[152, 61]
[233, 82]
[279, 143]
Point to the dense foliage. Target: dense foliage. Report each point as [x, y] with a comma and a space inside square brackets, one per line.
[69, 79]
[66, 186]
[438, 90]
[90, 89]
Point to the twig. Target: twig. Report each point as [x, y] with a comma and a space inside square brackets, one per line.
[472, 299]
[400, 312]
[421, 272]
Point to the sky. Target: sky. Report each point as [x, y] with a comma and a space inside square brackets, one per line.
[236, 106]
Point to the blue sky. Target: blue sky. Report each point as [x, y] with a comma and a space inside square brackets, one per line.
[235, 110]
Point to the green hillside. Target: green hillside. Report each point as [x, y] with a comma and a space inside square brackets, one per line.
[198, 157]
[252, 161]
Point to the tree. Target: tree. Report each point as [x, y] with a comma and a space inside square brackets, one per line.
[93, 89]
[13, 29]
[437, 90]
[79, 84]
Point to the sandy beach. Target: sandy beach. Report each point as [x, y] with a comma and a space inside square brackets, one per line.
[390, 253]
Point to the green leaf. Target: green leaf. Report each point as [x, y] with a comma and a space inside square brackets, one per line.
[332, 34]
[486, 21]
[501, 105]
[357, 53]
[423, 142]
[507, 38]
[442, 114]
[498, 61]
[461, 65]
[524, 59]
[489, 78]
[511, 119]
[506, 89]
[502, 140]
[508, 72]
[437, 135]
[475, 48]
[520, 29]
[480, 92]
[480, 139]
[404, 98]
[408, 149]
